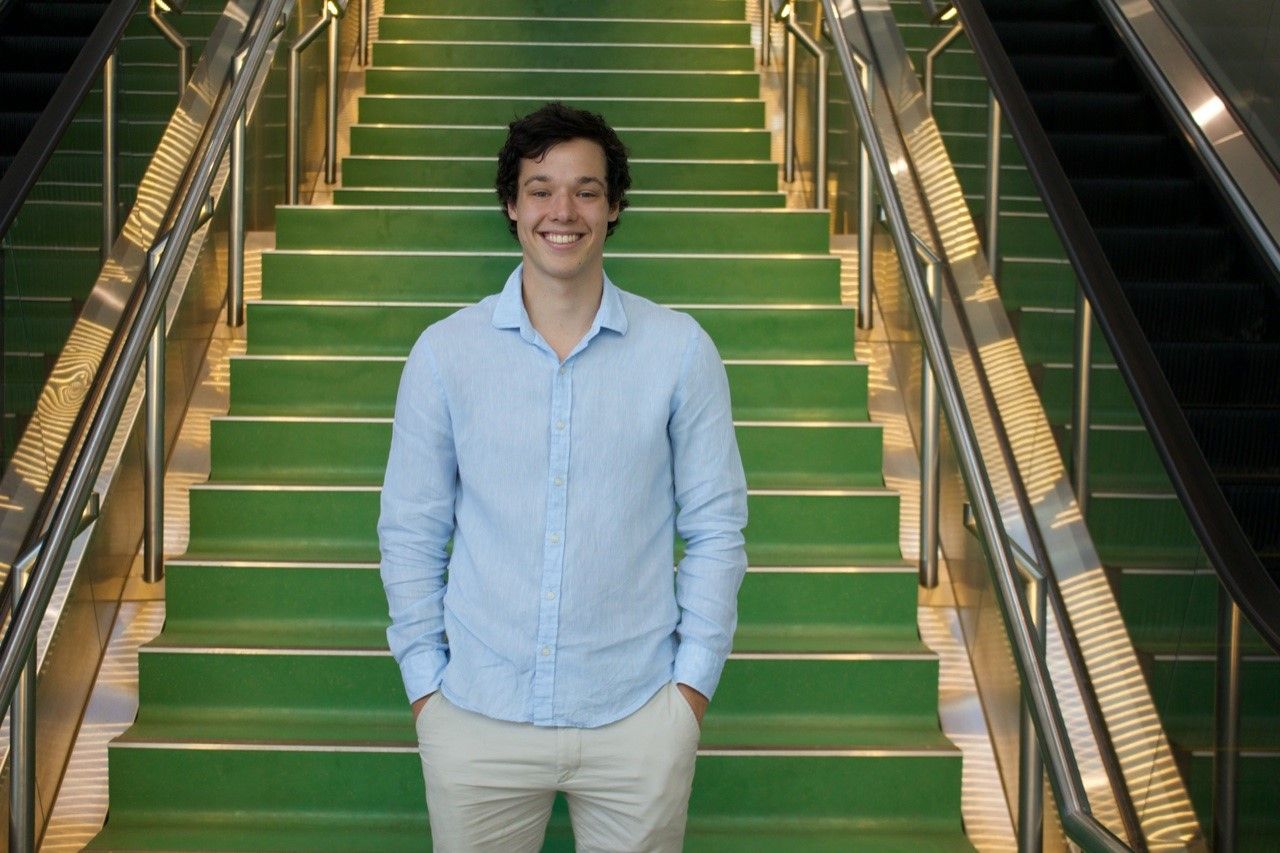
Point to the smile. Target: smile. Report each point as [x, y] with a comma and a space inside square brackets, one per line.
[561, 239]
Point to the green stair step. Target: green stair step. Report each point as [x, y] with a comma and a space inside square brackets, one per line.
[37, 325]
[1257, 792]
[476, 172]
[352, 328]
[434, 53]
[1109, 403]
[55, 272]
[869, 609]
[1183, 690]
[1124, 459]
[54, 223]
[299, 800]
[277, 522]
[483, 229]
[302, 452]
[570, 84]
[1168, 611]
[675, 10]
[1142, 531]
[1042, 282]
[580, 30]
[1047, 335]
[642, 143]
[328, 274]
[426, 196]
[317, 695]
[280, 385]
[631, 111]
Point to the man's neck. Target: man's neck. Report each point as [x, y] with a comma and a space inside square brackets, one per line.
[562, 312]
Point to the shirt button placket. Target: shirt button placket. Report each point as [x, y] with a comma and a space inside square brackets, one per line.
[553, 546]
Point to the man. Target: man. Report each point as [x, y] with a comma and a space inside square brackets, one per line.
[561, 432]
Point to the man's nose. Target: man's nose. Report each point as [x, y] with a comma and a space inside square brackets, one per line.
[562, 206]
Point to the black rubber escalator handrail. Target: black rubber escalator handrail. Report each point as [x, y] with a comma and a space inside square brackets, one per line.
[63, 106]
[1220, 534]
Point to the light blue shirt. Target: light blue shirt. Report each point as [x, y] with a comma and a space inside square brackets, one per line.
[562, 486]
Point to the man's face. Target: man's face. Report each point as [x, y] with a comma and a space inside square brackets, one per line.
[562, 213]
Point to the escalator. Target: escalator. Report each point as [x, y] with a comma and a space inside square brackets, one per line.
[1202, 299]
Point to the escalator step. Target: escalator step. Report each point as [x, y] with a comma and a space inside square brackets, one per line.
[1116, 155]
[1198, 253]
[1086, 73]
[1113, 112]
[1238, 443]
[14, 127]
[1179, 311]
[61, 19]
[1060, 37]
[1151, 201]
[1256, 503]
[1044, 10]
[1222, 374]
[27, 91]
[39, 53]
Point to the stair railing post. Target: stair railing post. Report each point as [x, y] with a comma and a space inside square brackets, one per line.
[110, 203]
[798, 37]
[1030, 762]
[293, 111]
[171, 35]
[789, 108]
[866, 213]
[930, 433]
[22, 741]
[1226, 723]
[931, 58]
[993, 185]
[766, 19]
[1081, 400]
[331, 100]
[362, 49]
[153, 440]
[235, 227]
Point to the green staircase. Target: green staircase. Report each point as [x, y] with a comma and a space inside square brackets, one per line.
[272, 716]
[1167, 592]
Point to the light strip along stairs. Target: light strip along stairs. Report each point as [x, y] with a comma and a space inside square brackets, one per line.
[272, 716]
[1166, 591]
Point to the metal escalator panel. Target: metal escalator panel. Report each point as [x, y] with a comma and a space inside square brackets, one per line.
[1166, 214]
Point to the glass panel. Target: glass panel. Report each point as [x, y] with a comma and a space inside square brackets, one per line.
[1238, 42]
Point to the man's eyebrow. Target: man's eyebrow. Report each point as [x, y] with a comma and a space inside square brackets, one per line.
[586, 179]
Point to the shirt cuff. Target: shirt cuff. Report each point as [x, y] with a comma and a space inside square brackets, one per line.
[423, 673]
[698, 667]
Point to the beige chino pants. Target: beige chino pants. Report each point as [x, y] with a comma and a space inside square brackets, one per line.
[491, 783]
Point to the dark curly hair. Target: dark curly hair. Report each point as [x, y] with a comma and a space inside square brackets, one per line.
[532, 136]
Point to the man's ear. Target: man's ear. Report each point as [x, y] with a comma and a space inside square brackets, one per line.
[613, 213]
[511, 210]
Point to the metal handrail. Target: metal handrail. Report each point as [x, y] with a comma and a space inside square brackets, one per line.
[74, 490]
[1064, 774]
[786, 14]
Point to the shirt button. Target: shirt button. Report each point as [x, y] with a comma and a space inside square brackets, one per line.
[559, 424]
[559, 481]
[555, 537]
[563, 371]
[551, 596]
[546, 650]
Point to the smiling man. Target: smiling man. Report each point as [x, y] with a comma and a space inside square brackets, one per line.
[561, 433]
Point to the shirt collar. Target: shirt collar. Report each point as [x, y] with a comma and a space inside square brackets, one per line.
[510, 312]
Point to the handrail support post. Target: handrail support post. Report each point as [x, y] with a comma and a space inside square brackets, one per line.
[1030, 762]
[331, 105]
[796, 35]
[235, 227]
[293, 110]
[930, 435]
[866, 214]
[174, 38]
[22, 741]
[992, 246]
[1081, 401]
[789, 107]
[110, 183]
[1226, 723]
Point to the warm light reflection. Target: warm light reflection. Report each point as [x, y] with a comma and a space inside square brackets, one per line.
[1208, 111]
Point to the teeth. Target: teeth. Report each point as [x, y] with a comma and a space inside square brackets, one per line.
[563, 239]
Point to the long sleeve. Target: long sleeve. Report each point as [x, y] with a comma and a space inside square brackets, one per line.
[711, 500]
[417, 521]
